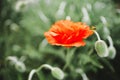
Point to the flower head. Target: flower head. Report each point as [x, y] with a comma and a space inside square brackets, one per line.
[67, 33]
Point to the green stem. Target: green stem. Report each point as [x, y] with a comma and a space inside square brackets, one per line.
[97, 35]
[37, 70]
[65, 66]
[19, 76]
[31, 74]
[82, 73]
[69, 55]
[44, 66]
[110, 40]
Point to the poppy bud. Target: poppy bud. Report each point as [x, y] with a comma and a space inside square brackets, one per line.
[112, 52]
[20, 66]
[14, 27]
[20, 5]
[57, 73]
[101, 48]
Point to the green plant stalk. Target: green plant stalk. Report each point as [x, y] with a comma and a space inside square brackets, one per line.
[97, 35]
[68, 58]
[37, 70]
[110, 40]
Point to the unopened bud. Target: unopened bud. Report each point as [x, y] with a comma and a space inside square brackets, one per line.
[57, 73]
[20, 67]
[112, 52]
[14, 27]
[20, 5]
[101, 48]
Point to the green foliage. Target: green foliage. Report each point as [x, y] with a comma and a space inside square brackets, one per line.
[22, 27]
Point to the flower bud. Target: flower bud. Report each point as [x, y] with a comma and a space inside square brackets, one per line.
[20, 66]
[20, 5]
[57, 73]
[14, 27]
[101, 48]
[112, 52]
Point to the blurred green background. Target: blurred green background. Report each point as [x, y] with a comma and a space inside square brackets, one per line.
[23, 46]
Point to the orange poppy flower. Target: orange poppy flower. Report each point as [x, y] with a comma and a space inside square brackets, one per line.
[67, 33]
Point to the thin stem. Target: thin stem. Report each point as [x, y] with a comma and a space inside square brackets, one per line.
[37, 70]
[31, 74]
[45, 66]
[110, 40]
[69, 55]
[19, 77]
[97, 35]
[65, 66]
[66, 59]
[82, 73]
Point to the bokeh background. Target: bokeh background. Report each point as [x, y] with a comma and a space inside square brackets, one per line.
[23, 46]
